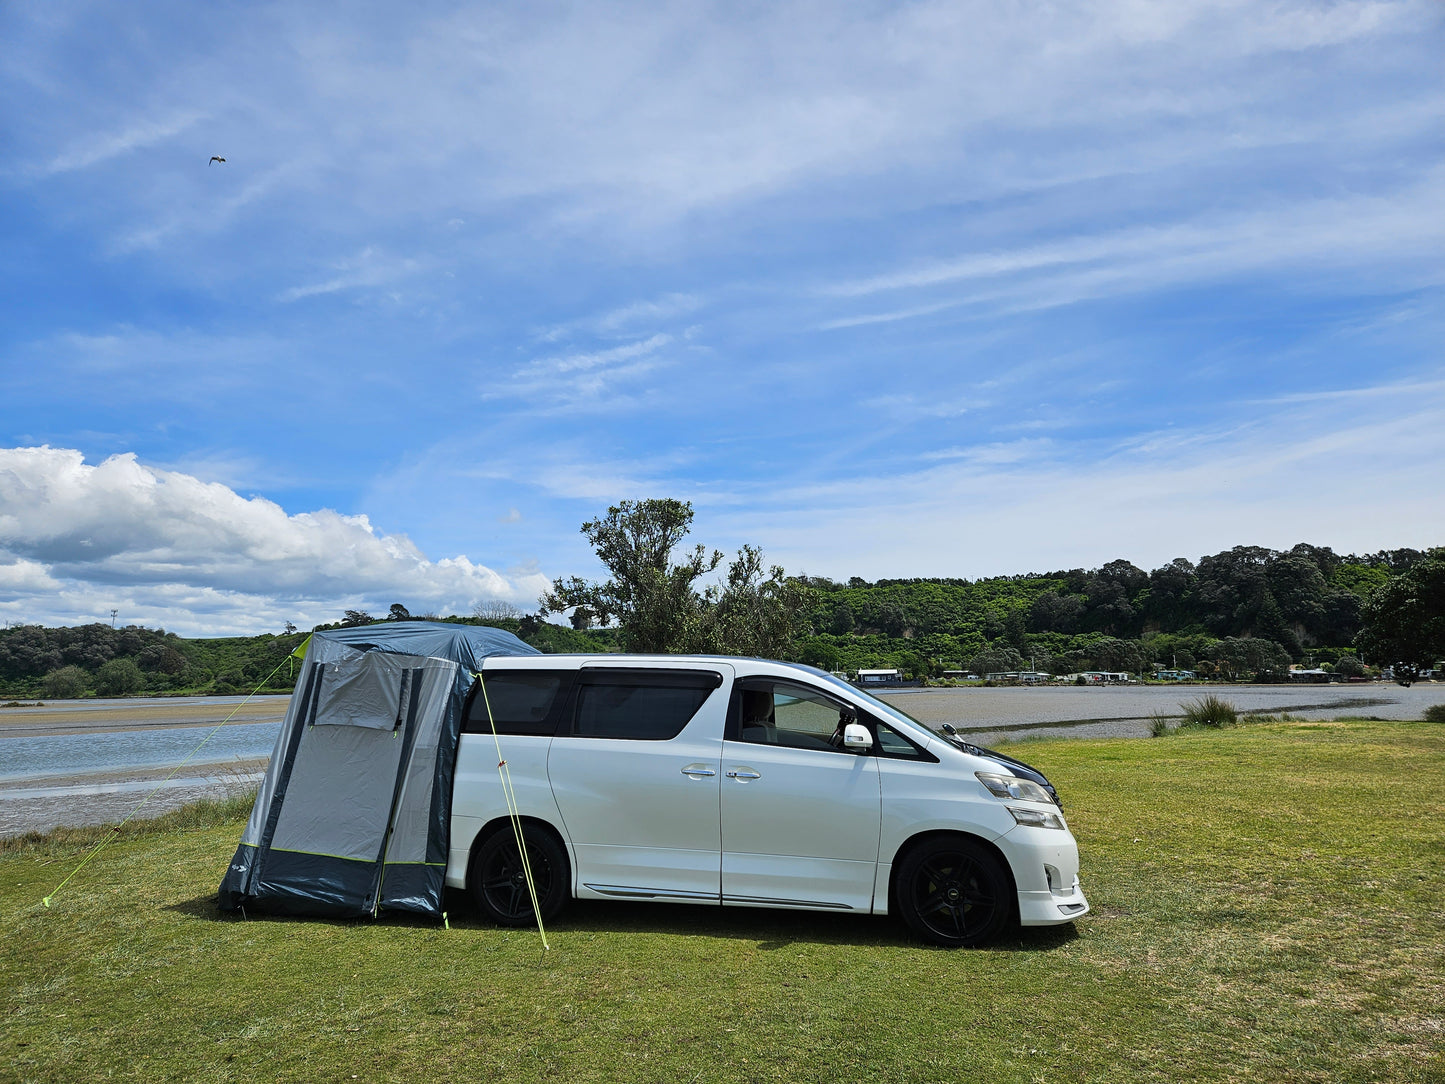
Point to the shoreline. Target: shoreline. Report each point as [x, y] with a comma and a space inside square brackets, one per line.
[79, 717]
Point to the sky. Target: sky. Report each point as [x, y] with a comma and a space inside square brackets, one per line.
[888, 290]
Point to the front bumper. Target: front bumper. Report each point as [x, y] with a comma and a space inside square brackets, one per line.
[1049, 908]
[1045, 865]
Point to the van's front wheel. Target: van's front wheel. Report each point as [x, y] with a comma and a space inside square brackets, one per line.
[953, 892]
[498, 879]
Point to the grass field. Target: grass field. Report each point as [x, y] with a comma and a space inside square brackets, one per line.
[1268, 906]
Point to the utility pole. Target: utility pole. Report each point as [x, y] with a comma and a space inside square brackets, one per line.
[112, 617]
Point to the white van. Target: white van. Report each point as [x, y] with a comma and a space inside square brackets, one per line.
[750, 783]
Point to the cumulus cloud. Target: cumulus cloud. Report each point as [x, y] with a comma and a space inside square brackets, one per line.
[198, 555]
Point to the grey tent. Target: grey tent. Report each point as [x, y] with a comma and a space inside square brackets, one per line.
[353, 816]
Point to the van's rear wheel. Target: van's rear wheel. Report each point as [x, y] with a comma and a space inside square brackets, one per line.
[953, 892]
[498, 879]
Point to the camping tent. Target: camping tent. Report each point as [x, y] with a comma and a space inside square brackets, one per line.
[354, 813]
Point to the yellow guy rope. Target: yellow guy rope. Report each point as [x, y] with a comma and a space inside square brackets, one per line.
[115, 830]
[513, 812]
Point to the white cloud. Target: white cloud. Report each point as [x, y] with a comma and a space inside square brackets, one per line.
[170, 544]
[94, 148]
[368, 268]
[1401, 234]
[1348, 471]
[636, 114]
[585, 380]
[599, 359]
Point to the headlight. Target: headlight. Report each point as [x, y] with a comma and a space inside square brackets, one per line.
[1011, 786]
[1036, 818]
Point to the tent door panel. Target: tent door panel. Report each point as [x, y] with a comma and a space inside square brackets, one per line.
[339, 800]
[411, 819]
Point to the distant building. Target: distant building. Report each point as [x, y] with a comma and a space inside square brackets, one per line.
[1173, 675]
[1105, 677]
[879, 677]
[1018, 677]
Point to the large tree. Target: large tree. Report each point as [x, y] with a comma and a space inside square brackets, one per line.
[651, 597]
[751, 614]
[1404, 619]
[655, 600]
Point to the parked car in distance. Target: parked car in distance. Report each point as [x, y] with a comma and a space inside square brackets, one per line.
[750, 783]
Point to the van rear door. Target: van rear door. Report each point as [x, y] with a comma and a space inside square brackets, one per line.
[635, 771]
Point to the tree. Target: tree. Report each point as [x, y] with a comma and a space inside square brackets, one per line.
[582, 618]
[494, 609]
[398, 612]
[1404, 619]
[750, 614]
[357, 617]
[652, 599]
[66, 683]
[1349, 666]
[655, 601]
[1054, 612]
[1249, 655]
[118, 677]
[999, 659]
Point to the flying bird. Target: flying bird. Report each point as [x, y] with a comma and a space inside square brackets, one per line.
[215, 158]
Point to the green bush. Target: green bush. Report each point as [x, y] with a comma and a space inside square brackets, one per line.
[118, 677]
[1158, 725]
[1435, 713]
[1209, 711]
[66, 683]
[1349, 666]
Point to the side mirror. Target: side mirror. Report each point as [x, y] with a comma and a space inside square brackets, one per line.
[857, 738]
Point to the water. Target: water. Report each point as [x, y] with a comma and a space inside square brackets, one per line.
[50, 779]
[1125, 710]
[132, 750]
[53, 775]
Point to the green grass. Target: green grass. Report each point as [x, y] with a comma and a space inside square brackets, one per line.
[1267, 907]
[1209, 711]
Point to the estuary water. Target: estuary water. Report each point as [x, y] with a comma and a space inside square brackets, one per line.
[98, 761]
[93, 762]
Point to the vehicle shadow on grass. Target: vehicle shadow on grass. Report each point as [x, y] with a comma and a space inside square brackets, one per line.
[769, 930]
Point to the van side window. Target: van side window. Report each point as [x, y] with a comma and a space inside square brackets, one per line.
[641, 705]
[893, 744]
[521, 702]
[778, 713]
[889, 742]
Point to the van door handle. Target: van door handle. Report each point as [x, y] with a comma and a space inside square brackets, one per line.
[743, 773]
[698, 769]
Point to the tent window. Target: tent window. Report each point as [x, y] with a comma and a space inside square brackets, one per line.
[638, 712]
[364, 691]
[521, 702]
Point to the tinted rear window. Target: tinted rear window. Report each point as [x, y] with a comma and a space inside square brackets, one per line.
[641, 712]
[521, 702]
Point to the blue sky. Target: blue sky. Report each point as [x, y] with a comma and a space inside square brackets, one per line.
[932, 289]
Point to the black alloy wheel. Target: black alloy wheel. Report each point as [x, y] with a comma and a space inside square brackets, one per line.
[498, 880]
[954, 893]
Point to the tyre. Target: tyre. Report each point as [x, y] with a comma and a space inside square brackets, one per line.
[498, 881]
[953, 892]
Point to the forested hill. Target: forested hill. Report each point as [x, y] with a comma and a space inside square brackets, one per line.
[96, 659]
[1234, 614]
[1243, 610]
